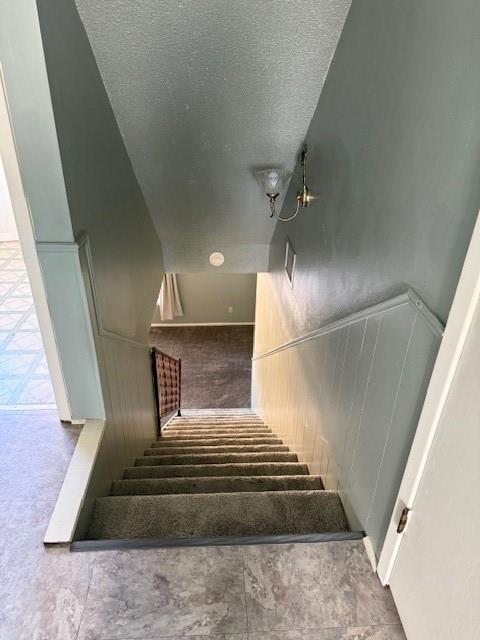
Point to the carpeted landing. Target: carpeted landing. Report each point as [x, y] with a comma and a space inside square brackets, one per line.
[213, 475]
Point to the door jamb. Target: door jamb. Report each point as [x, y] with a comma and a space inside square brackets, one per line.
[462, 312]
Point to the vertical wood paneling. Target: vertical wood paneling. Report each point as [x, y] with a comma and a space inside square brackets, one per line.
[130, 424]
[419, 361]
[383, 380]
[348, 399]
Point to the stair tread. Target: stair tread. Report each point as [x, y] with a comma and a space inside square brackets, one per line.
[227, 428]
[242, 448]
[218, 432]
[217, 514]
[225, 420]
[224, 469]
[212, 442]
[215, 484]
[243, 419]
[194, 436]
[206, 458]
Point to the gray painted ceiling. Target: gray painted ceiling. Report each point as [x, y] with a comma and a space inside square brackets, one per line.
[203, 90]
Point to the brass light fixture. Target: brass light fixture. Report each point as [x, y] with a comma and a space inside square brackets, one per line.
[272, 181]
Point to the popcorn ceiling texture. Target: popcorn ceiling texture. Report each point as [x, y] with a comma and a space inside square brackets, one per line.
[203, 90]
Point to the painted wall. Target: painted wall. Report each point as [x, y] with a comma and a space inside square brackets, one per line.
[104, 197]
[23, 64]
[206, 298]
[51, 249]
[120, 252]
[394, 156]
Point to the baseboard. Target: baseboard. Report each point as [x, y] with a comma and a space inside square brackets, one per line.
[223, 541]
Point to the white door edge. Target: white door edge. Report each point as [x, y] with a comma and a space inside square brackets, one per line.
[465, 302]
[21, 210]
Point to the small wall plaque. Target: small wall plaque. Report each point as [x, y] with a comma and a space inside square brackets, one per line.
[290, 259]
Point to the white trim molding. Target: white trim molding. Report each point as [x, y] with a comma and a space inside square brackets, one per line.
[407, 298]
[57, 247]
[74, 488]
[83, 245]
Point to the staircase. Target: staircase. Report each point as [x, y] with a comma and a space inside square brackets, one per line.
[214, 475]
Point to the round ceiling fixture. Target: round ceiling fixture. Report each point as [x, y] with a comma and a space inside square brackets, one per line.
[216, 259]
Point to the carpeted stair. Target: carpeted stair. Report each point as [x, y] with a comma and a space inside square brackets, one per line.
[217, 475]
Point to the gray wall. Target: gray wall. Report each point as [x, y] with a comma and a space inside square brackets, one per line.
[394, 160]
[206, 298]
[23, 65]
[27, 91]
[124, 267]
[104, 197]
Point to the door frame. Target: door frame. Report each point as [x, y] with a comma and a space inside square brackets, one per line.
[23, 220]
[462, 312]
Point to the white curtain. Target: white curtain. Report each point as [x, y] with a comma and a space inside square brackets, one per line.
[169, 301]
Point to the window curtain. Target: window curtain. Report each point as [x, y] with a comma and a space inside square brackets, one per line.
[169, 301]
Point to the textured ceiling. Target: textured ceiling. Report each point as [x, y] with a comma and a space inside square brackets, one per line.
[202, 91]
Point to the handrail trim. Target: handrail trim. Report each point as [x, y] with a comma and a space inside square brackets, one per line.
[408, 297]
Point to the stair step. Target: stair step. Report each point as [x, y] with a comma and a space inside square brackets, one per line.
[227, 484]
[253, 448]
[213, 442]
[219, 470]
[183, 423]
[216, 458]
[217, 514]
[226, 420]
[225, 427]
[218, 413]
[226, 434]
[217, 433]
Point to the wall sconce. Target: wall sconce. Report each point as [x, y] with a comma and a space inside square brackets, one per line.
[272, 181]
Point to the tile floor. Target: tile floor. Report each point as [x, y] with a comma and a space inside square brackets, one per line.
[24, 378]
[274, 592]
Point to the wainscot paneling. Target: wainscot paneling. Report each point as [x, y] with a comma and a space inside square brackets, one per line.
[348, 396]
[130, 424]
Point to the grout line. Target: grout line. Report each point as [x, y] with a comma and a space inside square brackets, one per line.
[181, 636]
[94, 564]
[247, 630]
[314, 629]
[28, 407]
